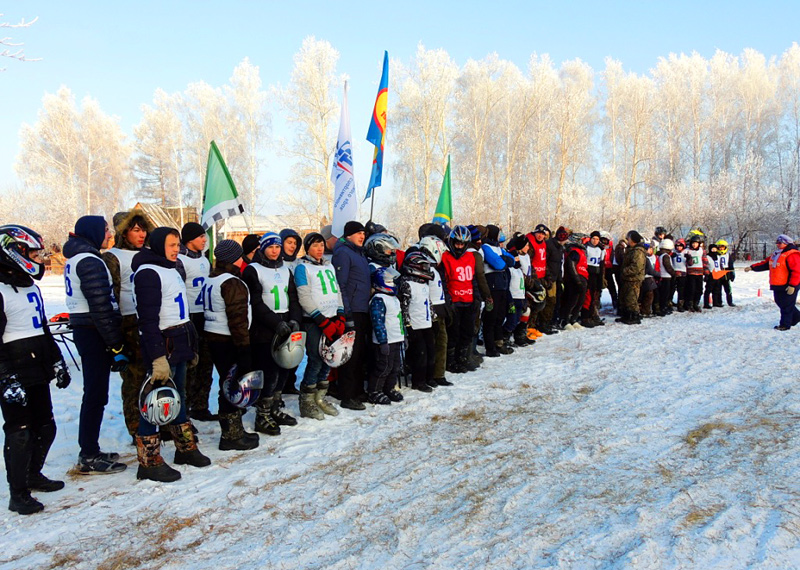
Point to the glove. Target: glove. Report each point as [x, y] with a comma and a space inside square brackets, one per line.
[61, 374]
[12, 391]
[546, 282]
[194, 361]
[340, 325]
[161, 370]
[384, 349]
[790, 290]
[283, 329]
[748, 269]
[329, 329]
[349, 325]
[120, 361]
[732, 276]
[294, 325]
[489, 304]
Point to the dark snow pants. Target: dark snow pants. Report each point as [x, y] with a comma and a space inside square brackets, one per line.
[790, 316]
[96, 363]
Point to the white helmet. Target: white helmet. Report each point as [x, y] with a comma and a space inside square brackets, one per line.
[244, 391]
[433, 247]
[159, 404]
[605, 235]
[289, 353]
[336, 353]
[667, 244]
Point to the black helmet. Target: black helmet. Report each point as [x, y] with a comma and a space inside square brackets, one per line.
[417, 265]
[660, 230]
[16, 244]
[381, 248]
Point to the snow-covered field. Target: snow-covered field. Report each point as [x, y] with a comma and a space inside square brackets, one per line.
[674, 444]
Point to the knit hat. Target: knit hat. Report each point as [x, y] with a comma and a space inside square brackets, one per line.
[595, 234]
[228, 251]
[311, 239]
[783, 238]
[327, 232]
[562, 234]
[250, 243]
[541, 229]
[353, 227]
[190, 231]
[430, 229]
[634, 236]
[268, 239]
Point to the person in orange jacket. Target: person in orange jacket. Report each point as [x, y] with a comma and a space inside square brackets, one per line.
[784, 278]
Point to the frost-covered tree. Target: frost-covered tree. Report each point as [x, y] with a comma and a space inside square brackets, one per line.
[8, 47]
[310, 105]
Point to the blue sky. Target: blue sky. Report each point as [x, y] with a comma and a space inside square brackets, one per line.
[120, 52]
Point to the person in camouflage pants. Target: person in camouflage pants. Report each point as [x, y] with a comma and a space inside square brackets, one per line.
[632, 275]
[132, 230]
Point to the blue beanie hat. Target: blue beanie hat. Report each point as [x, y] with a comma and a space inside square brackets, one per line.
[268, 239]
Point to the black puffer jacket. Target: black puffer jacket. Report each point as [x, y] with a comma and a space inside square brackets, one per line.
[555, 257]
[178, 344]
[31, 359]
[96, 287]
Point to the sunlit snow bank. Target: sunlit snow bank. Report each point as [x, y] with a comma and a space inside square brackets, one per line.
[667, 445]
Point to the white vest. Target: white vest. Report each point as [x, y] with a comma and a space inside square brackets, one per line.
[125, 257]
[395, 329]
[324, 287]
[723, 260]
[197, 270]
[652, 259]
[76, 300]
[436, 288]
[174, 308]
[595, 254]
[525, 264]
[517, 285]
[661, 271]
[274, 287]
[712, 264]
[216, 317]
[696, 255]
[24, 311]
[679, 262]
[419, 306]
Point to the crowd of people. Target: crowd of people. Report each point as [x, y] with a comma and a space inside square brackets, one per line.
[364, 313]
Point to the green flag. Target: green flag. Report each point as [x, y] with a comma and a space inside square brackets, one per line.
[444, 208]
[220, 199]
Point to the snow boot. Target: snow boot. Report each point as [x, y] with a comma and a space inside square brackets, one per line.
[503, 348]
[151, 465]
[681, 308]
[464, 362]
[17, 451]
[264, 421]
[378, 398]
[42, 440]
[322, 402]
[186, 452]
[233, 437]
[308, 403]
[394, 395]
[442, 381]
[281, 418]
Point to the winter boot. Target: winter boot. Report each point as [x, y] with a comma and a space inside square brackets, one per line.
[17, 452]
[322, 402]
[186, 452]
[442, 381]
[452, 361]
[394, 395]
[151, 465]
[681, 308]
[464, 362]
[378, 398]
[308, 403]
[233, 437]
[42, 440]
[503, 348]
[264, 421]
[281, 418]
[696, 308]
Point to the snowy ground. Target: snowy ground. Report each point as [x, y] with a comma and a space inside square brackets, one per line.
[673, 444]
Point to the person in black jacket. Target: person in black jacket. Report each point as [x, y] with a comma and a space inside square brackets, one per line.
[29, 360]
[552, 280]
[276, 312]
[169, 344]
[97, 331]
